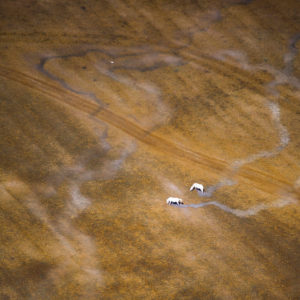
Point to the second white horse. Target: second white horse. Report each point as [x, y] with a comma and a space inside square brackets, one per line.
[173, 200]
[198, 187]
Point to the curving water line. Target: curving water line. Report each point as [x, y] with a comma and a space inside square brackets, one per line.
[247, 212]
[136, 61]
[280, 77]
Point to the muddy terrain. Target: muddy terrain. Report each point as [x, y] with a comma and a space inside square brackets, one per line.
[109, 107]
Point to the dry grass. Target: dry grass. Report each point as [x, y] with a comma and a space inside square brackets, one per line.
[109, 107]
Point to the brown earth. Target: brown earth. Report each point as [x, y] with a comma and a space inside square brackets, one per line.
[107, 108]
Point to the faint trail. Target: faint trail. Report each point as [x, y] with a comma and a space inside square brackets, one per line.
[85, 105]
[80, 102]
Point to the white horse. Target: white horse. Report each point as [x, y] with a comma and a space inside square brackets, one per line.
[173, 200]
[198, 187]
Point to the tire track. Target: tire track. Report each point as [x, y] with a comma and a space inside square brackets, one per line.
[262, 180]
[89, 107]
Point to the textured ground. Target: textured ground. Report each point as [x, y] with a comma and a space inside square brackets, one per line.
[107, 108]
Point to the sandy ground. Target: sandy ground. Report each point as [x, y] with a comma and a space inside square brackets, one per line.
[107, 108]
